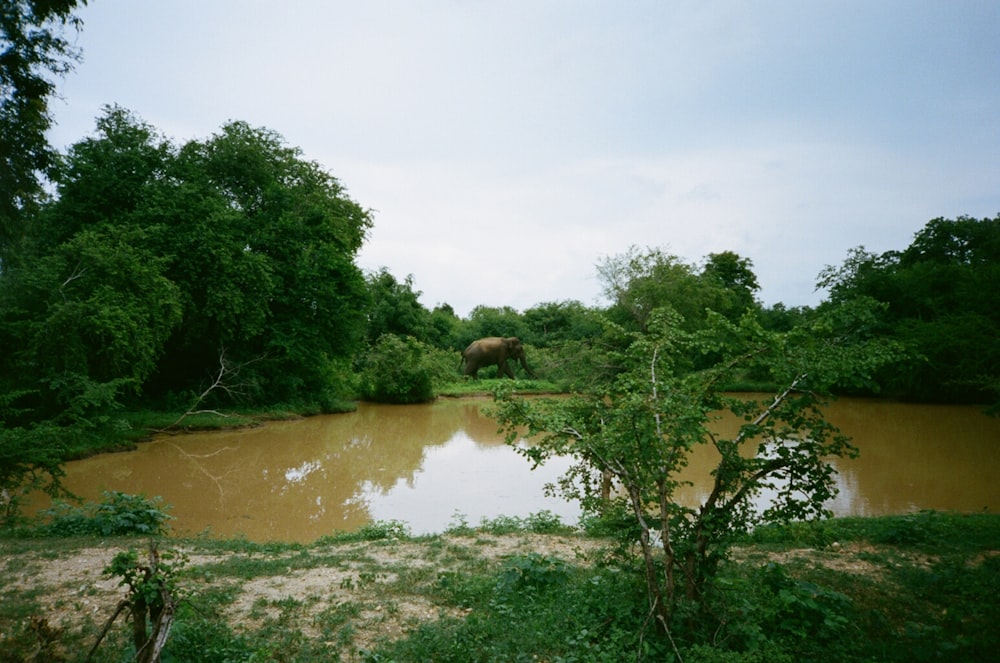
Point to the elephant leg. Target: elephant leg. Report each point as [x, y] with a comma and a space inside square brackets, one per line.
[505, 370]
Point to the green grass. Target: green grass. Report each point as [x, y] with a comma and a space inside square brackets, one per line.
[919, 587]
[930, 532]
[470, 387]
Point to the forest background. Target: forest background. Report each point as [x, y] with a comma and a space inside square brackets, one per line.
[140, 274]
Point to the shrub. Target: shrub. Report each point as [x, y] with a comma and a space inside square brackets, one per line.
[531, 573]
[396, 370]
[802, 610]
[378, 530]
[118, 514]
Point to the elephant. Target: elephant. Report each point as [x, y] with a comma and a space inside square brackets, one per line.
[494, 350]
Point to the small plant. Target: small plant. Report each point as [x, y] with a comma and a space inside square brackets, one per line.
[369, 577]
[153, 596]
[908, 530]
[501, 525]
[542, 522]
[532, 573]
[459, 526]
[374, 531]
[546, 522]
[118, 514]
[802, 609]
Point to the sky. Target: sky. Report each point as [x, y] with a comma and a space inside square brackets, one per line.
[507, 147]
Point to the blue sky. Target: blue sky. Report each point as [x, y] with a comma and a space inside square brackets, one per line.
[507, 147]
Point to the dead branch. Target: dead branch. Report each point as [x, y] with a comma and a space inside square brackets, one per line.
[222, 381]
[78, 272]
[122, 606]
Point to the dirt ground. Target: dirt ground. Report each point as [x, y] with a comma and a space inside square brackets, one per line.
[72, 588]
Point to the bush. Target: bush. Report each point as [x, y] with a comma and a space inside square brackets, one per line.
[802, 610]
[397, 370]
[378, 530]
[530, 573]
[118, 514]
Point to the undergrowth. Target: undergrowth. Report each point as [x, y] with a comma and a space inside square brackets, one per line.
[922, 587]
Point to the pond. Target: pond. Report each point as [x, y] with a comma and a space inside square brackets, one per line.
[433, 465]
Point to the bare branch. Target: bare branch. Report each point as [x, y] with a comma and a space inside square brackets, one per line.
[77, 273]
[652, 380]
[778, 400]
[122, 606]
[222, 381]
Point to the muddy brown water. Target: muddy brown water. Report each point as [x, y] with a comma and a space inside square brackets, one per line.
[434, 465]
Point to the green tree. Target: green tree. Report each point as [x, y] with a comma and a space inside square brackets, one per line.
[86, 311]
[259, 242]
[94, 302]
[551, 323]
[639, 429]
[487, 321]
[639, 281]
[110, 178]
[395, 308]
[290, 303]
[941, 301]
[33, 48]
[735, 282]
[99, 308]
[398, 369]
[444, 328]
[779, 317]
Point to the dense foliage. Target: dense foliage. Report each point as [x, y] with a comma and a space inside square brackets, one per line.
[216, 271]
[399, 369]
[155, 263]
[942, 301]
[33, 49]
[117, 514]
[638, 282]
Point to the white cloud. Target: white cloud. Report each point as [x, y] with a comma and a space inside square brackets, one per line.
[471, 237]
[507, 147]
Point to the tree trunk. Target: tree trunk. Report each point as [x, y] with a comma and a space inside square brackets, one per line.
[139, 636]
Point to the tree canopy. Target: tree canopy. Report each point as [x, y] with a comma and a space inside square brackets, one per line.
[940, 299]
[639, 281]
[395, 308]
[154, 262]
[33, 50]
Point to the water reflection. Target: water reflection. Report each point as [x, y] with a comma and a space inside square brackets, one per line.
[917, 457]
[423, 464]
[299, 480]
